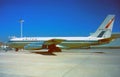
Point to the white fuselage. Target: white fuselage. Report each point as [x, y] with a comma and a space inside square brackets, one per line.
[69, 42]
[49, 38]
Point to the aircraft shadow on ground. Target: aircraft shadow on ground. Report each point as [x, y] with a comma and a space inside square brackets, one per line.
[99, 52]
[45, 53]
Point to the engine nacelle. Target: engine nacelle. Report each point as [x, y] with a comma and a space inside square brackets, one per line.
[62, 47]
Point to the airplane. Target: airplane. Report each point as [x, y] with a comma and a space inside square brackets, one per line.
[55, 44]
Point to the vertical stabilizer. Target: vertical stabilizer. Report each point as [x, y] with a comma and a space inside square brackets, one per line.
[105, 29]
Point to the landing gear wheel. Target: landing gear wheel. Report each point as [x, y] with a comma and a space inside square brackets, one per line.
[57, 49]
[53, 48]
[50, 50]
[16, 49]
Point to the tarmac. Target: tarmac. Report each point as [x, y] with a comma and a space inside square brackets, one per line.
[69, 63]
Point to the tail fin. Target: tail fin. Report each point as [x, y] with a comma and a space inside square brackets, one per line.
[105, 29]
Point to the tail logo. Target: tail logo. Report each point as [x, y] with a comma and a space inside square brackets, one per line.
[107, 26]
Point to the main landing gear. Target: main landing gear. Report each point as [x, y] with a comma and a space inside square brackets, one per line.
[16, 49]
[53, 48]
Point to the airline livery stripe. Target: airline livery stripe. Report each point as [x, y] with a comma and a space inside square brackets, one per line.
[101, 34]
[109, 23]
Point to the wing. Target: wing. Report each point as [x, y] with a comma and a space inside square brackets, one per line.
[40, 45]
[53, 41]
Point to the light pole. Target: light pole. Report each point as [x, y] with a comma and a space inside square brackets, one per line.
[21, 25]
